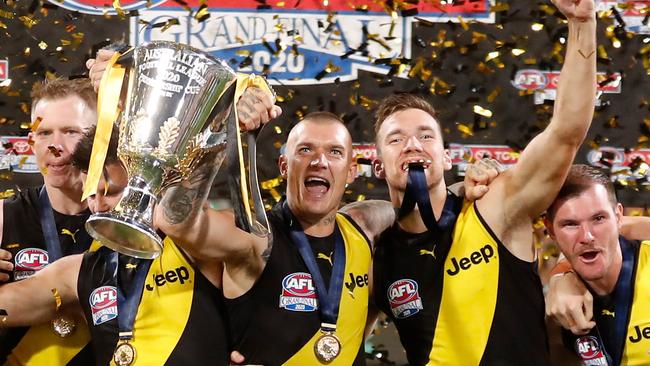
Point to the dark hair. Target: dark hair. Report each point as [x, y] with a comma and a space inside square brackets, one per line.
[60, 88]
[84, 148]
[399, 102]
[581, 177]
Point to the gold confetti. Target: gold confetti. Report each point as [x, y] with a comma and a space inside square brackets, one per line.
[492, 55]
[499, 7]
[518, 51]
[42, 45]
[278, 130]
[118, 8]
[465, 129]
[29, 22]
[37, 122]
[537, 27]
[57, 298]
[492, 96]
[482, 111]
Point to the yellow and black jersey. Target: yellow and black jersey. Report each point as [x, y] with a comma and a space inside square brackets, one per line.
[179, 320]
[22, 236]
[459, 297]
[635, 345]
[277, 321]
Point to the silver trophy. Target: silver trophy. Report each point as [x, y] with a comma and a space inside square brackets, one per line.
[179, 108]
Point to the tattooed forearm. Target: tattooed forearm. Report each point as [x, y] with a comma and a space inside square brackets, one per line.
[182, 203]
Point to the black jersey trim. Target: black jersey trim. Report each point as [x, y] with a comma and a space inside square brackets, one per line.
[498, 241]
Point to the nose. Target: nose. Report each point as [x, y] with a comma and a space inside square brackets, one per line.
[412, 144]
[57, 144]
[319, 161]
[98, 203]
[586, 236]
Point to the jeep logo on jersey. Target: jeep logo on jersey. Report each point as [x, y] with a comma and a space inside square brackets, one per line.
[101, 7]
[298, 293]
[103, 304]
[404, 298]
[31, 259]
[589, 351]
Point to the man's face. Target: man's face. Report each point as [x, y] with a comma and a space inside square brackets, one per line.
[62, 122]
[317, 164]
[586, 228]
[410, 136]
[109, 190]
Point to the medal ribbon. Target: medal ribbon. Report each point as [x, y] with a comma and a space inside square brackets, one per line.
[417, 192]
[48, 225]
[328, 300]
[128, 303]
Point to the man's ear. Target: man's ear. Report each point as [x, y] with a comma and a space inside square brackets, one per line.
[618, 211]
[378, 169]
[446, 159]
[549, 228]
[352, 173]
[282, 166]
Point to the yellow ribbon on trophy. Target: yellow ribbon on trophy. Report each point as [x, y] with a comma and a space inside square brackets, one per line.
[243, 82]
[108, 99]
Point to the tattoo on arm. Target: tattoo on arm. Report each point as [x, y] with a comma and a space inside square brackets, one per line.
[266, 254]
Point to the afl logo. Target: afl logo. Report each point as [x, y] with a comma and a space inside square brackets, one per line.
[103, 304]
[404, 298]
[298, 284]
[100, 7]
[298, 293]
[31, 259]
[530, 79]
[588, 348]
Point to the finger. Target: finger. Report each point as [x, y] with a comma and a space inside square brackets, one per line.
[476, 192]
[6, 266]
[89, 63]
[588, 306]
[488, 169]
[236, 357]
[104, 55]
[5, 255]
[4, 277]
[276, 111]
[580, 323]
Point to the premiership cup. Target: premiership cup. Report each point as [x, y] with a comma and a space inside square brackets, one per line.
[179, 108]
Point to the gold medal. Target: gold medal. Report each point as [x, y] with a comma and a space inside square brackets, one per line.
[63, 327]
[327, 347]
[124, 354]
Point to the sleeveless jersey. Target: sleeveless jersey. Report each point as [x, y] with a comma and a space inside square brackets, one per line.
[23, 237]
[277, 321]
[637, 338]
[179, 320]
[460, 297]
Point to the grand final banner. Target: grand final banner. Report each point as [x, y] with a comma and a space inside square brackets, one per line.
[300, 41]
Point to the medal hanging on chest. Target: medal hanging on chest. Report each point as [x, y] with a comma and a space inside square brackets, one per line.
[328, 346]
[127, 308]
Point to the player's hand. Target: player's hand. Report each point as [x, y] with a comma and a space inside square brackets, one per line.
[569, 303]
[581, 10]
[255, 108]
[96, 66]
[478, 177]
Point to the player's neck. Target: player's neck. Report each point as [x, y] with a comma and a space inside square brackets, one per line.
[66, 200]
[413, 223]
[319, 227]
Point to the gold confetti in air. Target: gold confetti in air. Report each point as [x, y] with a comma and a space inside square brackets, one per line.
[537, 27]
[57, 298]
[37, 122]
[42, 45]
[482, 111]
[118, 8]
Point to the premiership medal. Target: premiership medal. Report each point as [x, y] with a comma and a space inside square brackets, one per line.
[63, 327]
[124, 354]
[327, 347]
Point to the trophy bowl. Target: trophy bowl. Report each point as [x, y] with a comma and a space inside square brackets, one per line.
[177, 100]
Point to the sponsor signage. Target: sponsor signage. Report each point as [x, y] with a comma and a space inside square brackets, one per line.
[16, 154]
[4, 70]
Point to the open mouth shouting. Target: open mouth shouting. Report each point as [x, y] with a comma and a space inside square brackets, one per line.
[317, 186]
[589, 256]
[424, 163]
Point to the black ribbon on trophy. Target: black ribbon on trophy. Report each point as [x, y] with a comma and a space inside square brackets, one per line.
[327, 346]
[179, 114]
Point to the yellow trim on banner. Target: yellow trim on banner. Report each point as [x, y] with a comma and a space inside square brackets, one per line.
[243, 82]
[107, 111]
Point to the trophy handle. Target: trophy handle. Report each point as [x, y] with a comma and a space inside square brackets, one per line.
[252, 220]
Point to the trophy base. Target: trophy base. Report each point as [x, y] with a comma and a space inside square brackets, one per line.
[125, 236]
